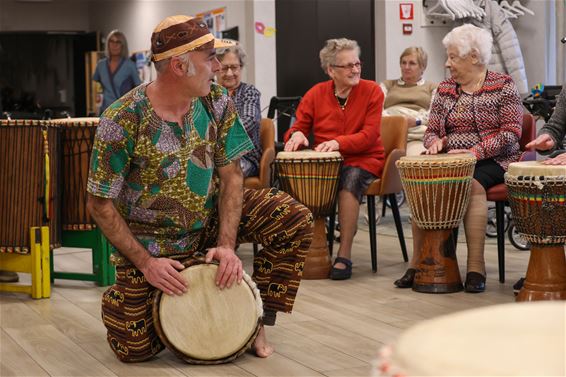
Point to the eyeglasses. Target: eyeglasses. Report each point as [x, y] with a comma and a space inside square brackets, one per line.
[115, 41]
[350, 66]
[235, 68]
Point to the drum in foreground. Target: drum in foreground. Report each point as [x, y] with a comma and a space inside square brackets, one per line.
[312, 179]
[208, 325]
[77, 140]
[537, 196]
[29, 191]
[438, 190]
[527, 339]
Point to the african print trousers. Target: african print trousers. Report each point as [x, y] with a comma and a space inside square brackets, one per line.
[269, 217]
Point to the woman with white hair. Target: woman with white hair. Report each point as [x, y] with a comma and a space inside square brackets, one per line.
[344, 114]
[475, 111]
[247, 100]
[116, 73]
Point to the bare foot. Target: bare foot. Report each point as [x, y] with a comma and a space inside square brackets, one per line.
[260, 346]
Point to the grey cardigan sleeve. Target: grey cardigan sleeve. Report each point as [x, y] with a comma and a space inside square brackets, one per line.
[556, 126]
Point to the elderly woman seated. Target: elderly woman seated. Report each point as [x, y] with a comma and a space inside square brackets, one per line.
[474, 111]
[344, 114]
[246, 97]
[410, 96]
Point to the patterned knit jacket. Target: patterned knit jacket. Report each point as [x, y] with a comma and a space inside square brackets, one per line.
[487, 122]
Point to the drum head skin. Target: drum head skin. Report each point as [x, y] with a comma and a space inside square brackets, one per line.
[535, 169]
[207, 323]
[307, 154]
[516, 339]
[440, 158]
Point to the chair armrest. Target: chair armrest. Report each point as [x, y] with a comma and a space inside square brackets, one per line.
[267, 157]
[391, 181]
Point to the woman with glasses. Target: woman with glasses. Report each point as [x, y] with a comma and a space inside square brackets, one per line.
[344, 114]
[246, 97]
[116, 73]
[410, 96]
[480, 112]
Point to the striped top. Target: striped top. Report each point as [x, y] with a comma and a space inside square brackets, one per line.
[487, 122]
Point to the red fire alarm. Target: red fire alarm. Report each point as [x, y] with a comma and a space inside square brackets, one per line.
[406, 11]
[407, 29]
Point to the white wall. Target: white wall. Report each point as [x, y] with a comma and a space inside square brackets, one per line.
[534, 37]
[264, 75]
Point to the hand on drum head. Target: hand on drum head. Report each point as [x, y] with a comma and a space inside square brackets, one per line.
[543, 143]
[558, 160]
[230, 268]
[162, 274]
[296, 140]
[328, 146]
[438, 146]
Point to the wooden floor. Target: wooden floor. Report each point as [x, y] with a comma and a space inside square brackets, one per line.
[335, 330]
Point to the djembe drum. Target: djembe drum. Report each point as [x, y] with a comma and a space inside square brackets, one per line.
[208, 325]
[496, 340]
[77, 140]
[438, 190]
[537, 195]
[29, 192]
[312, 178]
[79, 228]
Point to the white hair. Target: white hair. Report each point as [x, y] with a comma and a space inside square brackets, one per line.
[468, 38]
[236, 50]
[161, 65]
[333, 47]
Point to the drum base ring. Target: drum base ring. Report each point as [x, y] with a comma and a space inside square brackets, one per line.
[438, 288]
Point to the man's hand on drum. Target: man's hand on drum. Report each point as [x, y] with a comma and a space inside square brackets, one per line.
[163, 274]
[328, 146]
[558, 160]
[543, 143]
[230, 268]
[296, 140]
[438, 146]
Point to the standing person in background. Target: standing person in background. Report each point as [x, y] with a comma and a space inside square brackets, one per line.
[410, 96]
[116, 73]
[246, 97]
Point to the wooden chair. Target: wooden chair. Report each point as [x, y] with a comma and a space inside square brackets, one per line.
[498, 193]
[394, 139]
[267, 140]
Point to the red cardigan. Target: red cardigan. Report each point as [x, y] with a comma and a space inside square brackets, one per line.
[357, 128]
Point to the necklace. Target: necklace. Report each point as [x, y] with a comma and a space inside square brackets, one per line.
[342, 102]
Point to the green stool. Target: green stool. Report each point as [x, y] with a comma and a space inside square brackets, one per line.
[103, 272]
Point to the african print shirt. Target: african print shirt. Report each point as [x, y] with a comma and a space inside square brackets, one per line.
[161, 175]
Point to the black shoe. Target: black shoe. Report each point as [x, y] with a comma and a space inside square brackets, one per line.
[475, 282]
[406, 281]
[518, 285]
[341, 273]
